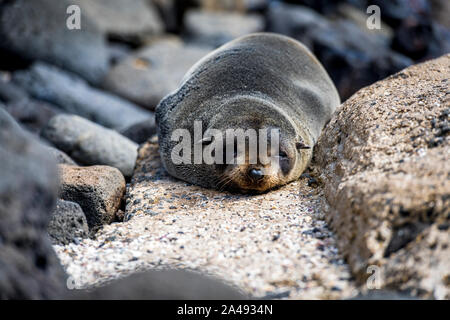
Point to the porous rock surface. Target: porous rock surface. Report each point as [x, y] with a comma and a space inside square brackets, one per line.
[68, 223]
[29, 268]
[272, 245]
[97, 189]
[384, 163]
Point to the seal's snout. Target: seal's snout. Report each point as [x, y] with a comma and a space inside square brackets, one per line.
[255, 174]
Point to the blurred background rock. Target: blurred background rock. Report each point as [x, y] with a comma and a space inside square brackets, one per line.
[140, 49]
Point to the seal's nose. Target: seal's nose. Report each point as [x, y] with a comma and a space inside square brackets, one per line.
[255, 174]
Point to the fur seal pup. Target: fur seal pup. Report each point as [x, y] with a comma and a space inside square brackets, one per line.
[262, 81]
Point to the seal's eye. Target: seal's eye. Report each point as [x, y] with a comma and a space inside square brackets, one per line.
[282, 155]
[301, 146]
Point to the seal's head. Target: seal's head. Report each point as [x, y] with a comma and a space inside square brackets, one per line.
[260, 150]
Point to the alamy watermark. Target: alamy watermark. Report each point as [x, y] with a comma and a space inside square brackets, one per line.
[238, 146]
[73, 22]
[375, 280]
[374, 21]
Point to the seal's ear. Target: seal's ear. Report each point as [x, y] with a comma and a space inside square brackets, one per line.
[301, 146]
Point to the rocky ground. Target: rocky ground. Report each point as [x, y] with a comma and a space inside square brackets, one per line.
[388, 208]
[272, 245]
[78, 105]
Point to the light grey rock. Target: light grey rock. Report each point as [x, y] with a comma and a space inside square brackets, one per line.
[118, 51]
[37, 30]
[97, 189]
[29, 268]
[91, 144]
[153, 72]
[10, 92]
[123, 19]
[216, 28]
[68, 223]
[59, 156]
[75, 96]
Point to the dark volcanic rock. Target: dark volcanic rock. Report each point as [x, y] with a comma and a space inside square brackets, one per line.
[294, 21]
[32, 114]
[396, 11]
[356, 61]
[171, 12]
[68, 223]
[10, 92]
[153, 72]
[141, 131]
[352, 61]
[29, 268]
[384, 163]
[417, 35]
[37, 30]
[440, 10]
[165, 285]
[74, 95]
[97, 189]
[322, 6]
[233, 5]
[91, 144]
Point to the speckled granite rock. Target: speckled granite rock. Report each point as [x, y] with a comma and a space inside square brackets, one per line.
[385, 165]
[68, 223]
[97, 189]
[273, 245]
[153, 71]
